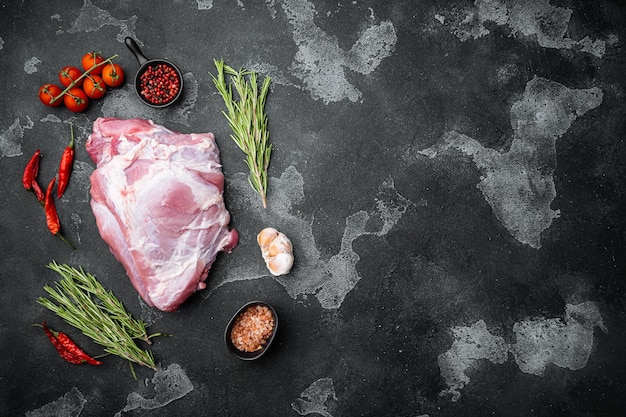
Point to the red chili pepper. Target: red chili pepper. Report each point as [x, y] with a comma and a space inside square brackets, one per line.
[38, 191]
[65, 168]
[65, 354]
[73, 348]
[52, 217]
[31, 170]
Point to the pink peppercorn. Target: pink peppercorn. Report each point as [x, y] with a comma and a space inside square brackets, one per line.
[159, 84]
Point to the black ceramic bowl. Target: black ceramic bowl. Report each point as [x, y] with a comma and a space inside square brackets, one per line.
[145, 64]
[248, 356]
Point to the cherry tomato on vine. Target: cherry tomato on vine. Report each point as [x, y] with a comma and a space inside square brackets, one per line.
[69, 74]
[76, 100]
[90, 60]
[47, 92]
[113, 75]
[94, 86]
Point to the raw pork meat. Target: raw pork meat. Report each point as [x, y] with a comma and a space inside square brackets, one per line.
[157, 199]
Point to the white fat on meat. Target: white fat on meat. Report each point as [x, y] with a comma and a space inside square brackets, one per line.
[157, 196]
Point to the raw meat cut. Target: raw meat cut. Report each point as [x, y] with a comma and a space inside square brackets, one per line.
[157, 196]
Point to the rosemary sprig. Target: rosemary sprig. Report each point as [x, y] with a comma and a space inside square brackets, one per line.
[85, 304]
[248, 120]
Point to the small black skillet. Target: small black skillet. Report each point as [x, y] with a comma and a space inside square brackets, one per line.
[145, 64]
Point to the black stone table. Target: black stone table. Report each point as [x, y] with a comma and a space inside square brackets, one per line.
[451, 175]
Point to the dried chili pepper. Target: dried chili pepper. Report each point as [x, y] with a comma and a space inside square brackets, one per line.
[31, 170]
[29, 178]
[52, 217]
[63, 352]
[38, 191]
[73, 348]
[65, 168]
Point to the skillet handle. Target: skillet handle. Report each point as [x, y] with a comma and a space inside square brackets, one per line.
[134, 48]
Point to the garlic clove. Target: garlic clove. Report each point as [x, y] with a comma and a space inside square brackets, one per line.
[266, 237]
[277, 251]
[280, 264]
[279, 245]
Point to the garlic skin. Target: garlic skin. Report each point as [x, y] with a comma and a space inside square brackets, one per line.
[277, 251]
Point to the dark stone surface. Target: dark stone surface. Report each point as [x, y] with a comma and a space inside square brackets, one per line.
[451, 175]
